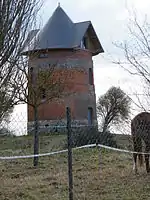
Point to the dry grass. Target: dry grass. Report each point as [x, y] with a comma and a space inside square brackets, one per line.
[105, 176]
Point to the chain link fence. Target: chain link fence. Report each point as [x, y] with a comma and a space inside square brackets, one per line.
[80, 163]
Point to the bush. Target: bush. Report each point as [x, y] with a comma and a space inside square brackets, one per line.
[107, 139]
[5, 131]
[92, 136]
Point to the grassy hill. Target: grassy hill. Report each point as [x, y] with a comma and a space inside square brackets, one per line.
[98, 174]
[123, 141]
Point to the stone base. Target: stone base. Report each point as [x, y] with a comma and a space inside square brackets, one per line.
[55, 126]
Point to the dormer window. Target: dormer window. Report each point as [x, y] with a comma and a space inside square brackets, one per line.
[84, 43]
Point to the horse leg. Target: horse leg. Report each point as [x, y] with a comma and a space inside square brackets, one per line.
[147, 163]
[147, 159]
[137, 148]
[135, 163]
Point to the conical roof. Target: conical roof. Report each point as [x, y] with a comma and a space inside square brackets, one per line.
[60, 33]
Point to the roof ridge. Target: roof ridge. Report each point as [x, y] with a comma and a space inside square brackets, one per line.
[83, 22]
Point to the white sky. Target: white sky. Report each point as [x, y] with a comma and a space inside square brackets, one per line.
[110, 19]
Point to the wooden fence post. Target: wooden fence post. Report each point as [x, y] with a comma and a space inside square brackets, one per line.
[69, 134]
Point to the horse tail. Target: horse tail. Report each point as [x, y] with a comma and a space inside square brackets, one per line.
[137, 145]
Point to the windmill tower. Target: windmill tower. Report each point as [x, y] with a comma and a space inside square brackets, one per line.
[72, 44]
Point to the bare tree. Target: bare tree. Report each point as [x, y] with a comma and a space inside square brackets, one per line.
[136, 51]
[16, 19]
[113, 107]
[36, 86]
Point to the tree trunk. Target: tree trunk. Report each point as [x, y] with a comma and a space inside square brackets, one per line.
[105, 125]
[36, 136]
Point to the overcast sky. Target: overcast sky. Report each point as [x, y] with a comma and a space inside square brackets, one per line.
[110, 20]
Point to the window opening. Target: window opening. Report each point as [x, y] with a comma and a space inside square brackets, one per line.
[90, 116]
[43, 55]
[91, 81]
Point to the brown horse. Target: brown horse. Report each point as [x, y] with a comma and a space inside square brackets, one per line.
[140, 131]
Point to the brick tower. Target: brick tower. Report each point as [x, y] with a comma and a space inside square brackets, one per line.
[74, 45]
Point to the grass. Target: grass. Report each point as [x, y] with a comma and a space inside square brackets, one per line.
[97, 176]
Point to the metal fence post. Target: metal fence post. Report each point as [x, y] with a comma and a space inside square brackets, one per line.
[36, 137]
[100, 160]
[70, 176]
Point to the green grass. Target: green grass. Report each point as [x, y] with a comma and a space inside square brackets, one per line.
[105, 176]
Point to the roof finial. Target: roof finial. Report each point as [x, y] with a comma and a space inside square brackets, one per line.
[58, 4]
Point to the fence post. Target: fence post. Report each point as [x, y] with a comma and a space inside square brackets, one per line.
[100, 159]
[36, 137]
[70, 176]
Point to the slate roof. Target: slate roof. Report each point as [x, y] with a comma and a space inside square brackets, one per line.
[61, 33]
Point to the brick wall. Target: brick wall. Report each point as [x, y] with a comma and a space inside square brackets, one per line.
[80, 95]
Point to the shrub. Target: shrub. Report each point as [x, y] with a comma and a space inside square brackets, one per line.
[92, 136]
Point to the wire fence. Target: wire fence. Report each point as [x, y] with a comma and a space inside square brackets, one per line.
[82, 162]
